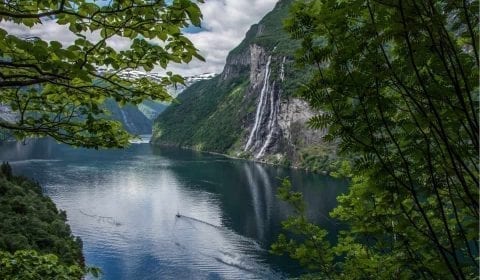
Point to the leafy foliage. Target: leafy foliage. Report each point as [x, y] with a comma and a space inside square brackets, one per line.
[398, 81]
[319, 158]
[29, 265]
[30, 221]
[57, 89]
[309, 245]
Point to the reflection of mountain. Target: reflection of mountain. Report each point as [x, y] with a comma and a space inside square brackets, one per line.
[143, 187]
[27, 150]
[248, 190]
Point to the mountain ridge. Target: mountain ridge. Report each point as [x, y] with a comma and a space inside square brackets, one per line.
[250, 110]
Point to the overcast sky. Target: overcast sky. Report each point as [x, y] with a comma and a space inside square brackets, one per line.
[224, 25]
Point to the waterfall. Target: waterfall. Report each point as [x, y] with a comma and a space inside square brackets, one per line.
[128, 124]
[282, 70]
[271, 122]
[261, 106]
[266, 115]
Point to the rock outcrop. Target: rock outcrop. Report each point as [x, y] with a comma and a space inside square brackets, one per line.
[249, 110]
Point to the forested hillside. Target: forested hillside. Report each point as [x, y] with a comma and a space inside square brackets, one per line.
[30, 221]
[250, 110]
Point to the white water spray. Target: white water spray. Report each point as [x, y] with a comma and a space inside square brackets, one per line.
[261, 105]
[282, 70]
[265, 124]
[271, 122]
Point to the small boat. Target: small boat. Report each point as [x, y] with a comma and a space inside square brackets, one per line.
[178, 215]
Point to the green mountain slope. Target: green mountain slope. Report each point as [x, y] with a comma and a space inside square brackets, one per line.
[205, 117]
[132, 119]
[209, 114]
[30, 221]
[250, 109]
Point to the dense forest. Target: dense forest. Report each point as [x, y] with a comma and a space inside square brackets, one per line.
[398, 84]
[53, 89]
[35, 240]
[393, 83]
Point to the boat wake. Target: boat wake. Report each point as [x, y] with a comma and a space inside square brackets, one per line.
[102, 219]
[225, 230]
[236, 261]
[198, 221]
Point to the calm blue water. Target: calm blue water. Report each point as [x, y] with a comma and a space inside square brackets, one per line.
[123, 203]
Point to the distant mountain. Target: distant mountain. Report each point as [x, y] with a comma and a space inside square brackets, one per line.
[190, 80]
[174, 91]
[250, 109]
[135, 119]
[9, 116]
[139, 119]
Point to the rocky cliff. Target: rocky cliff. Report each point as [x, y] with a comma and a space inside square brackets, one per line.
[250, 110]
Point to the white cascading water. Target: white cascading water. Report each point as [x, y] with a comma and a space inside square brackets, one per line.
[272, 117]
[262, 104]
[282, 70]
[265, 117]
[274, 108]
[128, 124]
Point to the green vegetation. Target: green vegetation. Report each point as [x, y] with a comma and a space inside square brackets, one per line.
[132, 119]
[29, 265]
[398, 81]
[213, 115]
[206, 117]
[319, 158]
[30, 221]
[209, 114]
[57, 90]
[269, 32]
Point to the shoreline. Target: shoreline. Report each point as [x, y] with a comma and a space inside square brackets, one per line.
[237, 158]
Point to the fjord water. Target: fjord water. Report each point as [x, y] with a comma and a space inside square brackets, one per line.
[124, 205]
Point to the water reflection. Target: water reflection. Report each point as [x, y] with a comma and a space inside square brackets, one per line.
[124, 204]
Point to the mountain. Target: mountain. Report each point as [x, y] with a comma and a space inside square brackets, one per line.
[250, 109]
[9, 116]
[139, 119]
[135, 119]
[131, 117]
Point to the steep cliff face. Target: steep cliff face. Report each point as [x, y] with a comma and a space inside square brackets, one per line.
[277, 130]
[249, 110]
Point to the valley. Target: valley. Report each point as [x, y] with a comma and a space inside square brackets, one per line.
[255, 139]
[250, 110]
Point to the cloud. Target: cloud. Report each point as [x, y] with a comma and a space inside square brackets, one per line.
[224, 25]
[48, 30]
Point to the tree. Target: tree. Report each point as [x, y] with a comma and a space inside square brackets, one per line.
[57, 90]
[398, 82]
[30, 265]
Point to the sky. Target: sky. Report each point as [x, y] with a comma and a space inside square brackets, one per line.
[224, 25]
